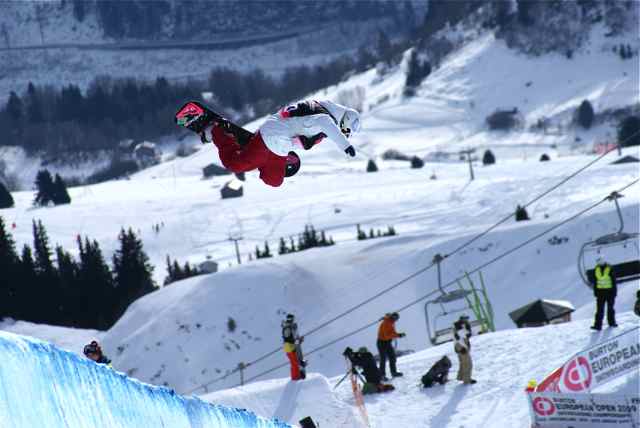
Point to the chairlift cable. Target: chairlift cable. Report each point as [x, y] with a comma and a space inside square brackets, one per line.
[449, 284]
[459, 248]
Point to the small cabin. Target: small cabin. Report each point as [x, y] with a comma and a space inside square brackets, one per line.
[232, 189]
[208, 266]
[542, 312]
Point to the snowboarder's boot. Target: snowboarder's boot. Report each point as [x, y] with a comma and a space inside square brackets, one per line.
[198, 118]
[397, 374]
[595, 327]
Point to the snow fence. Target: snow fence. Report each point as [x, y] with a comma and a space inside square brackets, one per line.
[43, 386]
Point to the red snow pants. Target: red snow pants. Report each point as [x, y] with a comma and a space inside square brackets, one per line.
[295, 365]
[255, 155]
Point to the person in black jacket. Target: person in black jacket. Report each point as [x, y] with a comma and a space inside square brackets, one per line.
[93, 351]
[439, 372]
[636, 308]
[364, 360]
[605, 290]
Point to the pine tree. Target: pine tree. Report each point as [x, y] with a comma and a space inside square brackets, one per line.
[258, 254]
[629, 131]
[48, 295]
[371, 233]
[292, 245]
[9, 268]
[585, 114]
[170, 272]
[15, 108]
[68, 272]
[132, 271]
[45, 188]
[267, 252]
[35, 113]
[25, 291]
[60, 195]
[488, 158]
[360, 234]
[282, 249]
[96, 289]
[177, 272]
[6, 200]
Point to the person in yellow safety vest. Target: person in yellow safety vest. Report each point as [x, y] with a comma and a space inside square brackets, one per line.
[605, 289]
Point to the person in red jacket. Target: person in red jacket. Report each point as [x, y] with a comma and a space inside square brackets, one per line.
[386, 333]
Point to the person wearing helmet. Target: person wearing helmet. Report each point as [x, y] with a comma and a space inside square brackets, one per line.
[271, 149]
[386, 334]
[363, 359]
[93, 351]
[292, 341]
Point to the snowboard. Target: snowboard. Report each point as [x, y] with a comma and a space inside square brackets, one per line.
[301, 360]
[196, 117]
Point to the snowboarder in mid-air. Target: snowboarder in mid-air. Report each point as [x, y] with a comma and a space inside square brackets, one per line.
[271, 149]
[292, 347]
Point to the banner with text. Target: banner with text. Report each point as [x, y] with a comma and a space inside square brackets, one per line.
[597, 365]
[559, 410]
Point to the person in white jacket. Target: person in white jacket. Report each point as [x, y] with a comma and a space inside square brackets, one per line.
[300, 125]
[462, 347]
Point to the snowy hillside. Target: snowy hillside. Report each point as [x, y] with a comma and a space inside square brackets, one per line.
[186, 323]
[503, 364]
[448, 114]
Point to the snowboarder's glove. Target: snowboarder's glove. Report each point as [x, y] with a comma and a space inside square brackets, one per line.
[350, 151]
[401, 335]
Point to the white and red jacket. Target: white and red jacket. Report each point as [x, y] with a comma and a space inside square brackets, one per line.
[311, 119]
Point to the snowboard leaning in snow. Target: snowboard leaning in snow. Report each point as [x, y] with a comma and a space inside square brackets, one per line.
[301, 360]
[196, 117]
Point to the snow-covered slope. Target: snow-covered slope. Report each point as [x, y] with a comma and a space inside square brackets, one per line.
[185, 324]
[503, 364]
[43, 386]
[180, 335]
[451, 106]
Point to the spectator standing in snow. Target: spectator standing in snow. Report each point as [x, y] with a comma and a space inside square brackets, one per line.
[93, 351]
[462, 346]
[605, 290]
[636, 308]
[386, 333]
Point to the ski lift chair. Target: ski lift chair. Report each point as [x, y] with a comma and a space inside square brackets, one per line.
[439, 334]
[619, 249]
[439, 326]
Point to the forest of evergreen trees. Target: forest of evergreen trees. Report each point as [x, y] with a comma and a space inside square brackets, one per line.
[46, 285]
